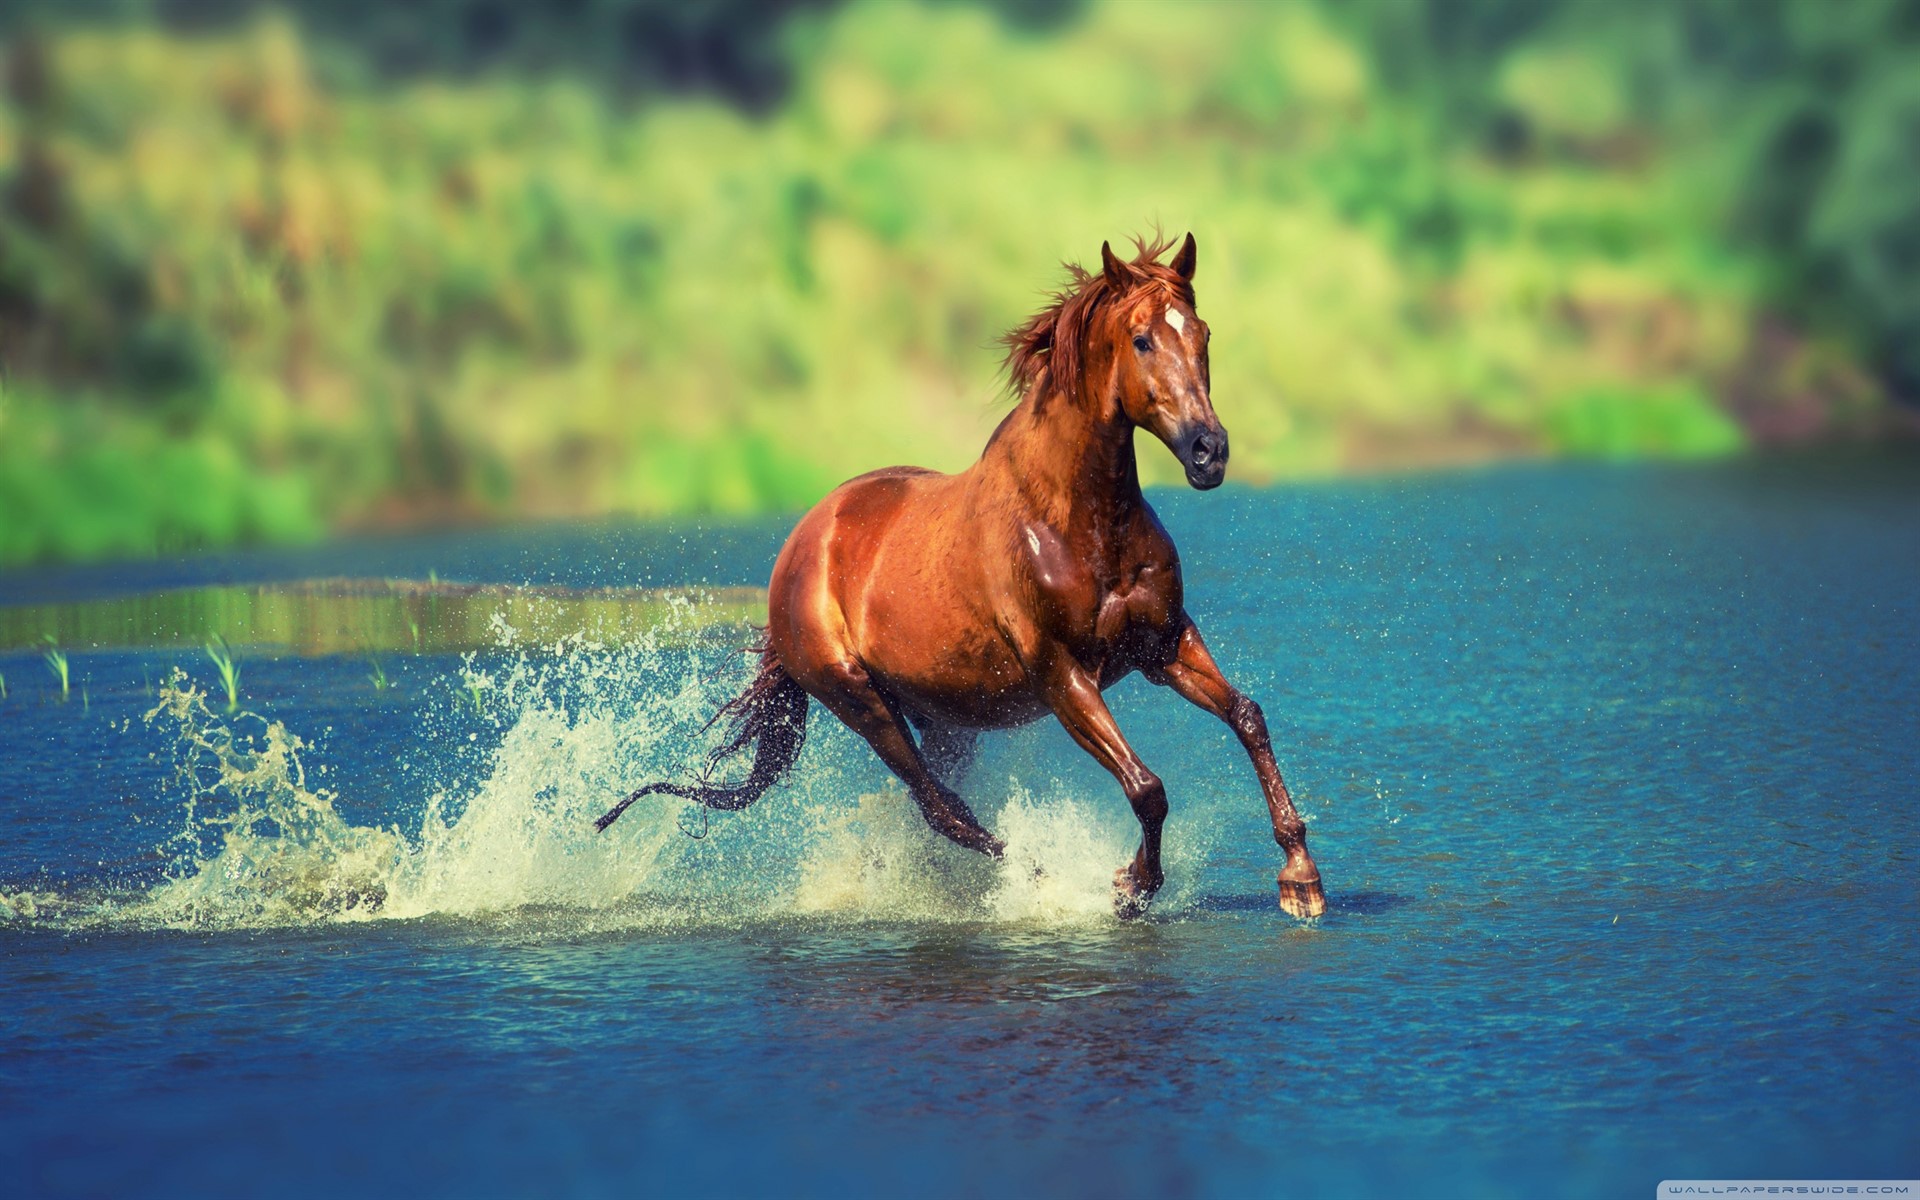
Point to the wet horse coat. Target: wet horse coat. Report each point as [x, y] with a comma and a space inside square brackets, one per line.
[1024, 585]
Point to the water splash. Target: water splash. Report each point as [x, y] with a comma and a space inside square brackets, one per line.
[876, 857]
[259, 844]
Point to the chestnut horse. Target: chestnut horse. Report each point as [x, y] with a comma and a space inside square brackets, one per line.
[1024, 585]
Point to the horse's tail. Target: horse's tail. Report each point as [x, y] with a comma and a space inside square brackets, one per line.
[771, 716]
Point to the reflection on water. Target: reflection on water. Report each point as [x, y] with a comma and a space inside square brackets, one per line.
[1363, 904]
[360, 616]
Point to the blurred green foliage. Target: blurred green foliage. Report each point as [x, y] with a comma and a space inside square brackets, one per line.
[253, 286]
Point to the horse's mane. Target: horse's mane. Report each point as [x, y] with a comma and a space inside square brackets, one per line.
[1051, 340]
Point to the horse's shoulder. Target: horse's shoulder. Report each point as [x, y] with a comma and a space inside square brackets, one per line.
[1049, 558]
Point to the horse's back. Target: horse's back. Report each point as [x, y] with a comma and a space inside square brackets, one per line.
[860, 513]
[885, 573]
[833, 551]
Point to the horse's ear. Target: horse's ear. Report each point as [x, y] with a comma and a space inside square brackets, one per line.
[1119, 277]
[1183, 262]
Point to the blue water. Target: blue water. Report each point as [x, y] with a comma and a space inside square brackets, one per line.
[1610, 773]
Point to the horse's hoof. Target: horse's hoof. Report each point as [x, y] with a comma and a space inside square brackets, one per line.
[1130, 900]
[1302, 898]
[1131, 905]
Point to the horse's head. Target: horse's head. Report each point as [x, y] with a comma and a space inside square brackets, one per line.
[1159, 356]
[1128, 339]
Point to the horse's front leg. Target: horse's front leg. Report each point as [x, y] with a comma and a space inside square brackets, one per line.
[1076, 700]
[1193, 673]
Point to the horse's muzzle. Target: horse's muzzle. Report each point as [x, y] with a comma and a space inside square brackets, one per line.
[1205, 457]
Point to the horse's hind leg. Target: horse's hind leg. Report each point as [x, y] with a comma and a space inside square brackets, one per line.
[849, 693]
[947, 750]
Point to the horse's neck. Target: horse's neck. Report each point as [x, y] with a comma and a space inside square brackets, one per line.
[1068, 463]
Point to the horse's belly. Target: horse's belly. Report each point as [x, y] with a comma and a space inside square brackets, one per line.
[970, 709]
[961, 676]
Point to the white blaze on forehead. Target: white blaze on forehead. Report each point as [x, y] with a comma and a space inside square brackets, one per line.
[1175, 319]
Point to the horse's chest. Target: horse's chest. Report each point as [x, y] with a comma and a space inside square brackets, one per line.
[1140, 604]
[1099, 610]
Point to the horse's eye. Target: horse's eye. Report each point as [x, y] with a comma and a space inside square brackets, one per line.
[1141, 343]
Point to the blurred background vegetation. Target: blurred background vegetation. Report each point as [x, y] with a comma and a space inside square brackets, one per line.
[267, 272]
